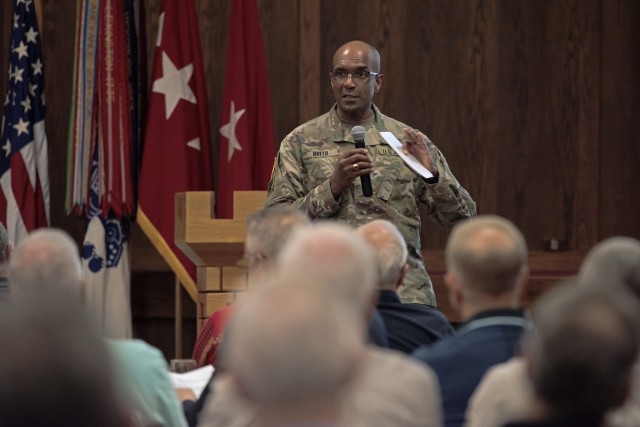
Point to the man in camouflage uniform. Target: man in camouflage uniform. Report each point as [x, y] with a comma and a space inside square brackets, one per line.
[317, 167]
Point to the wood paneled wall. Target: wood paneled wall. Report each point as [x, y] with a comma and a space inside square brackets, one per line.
[535, 103]
[619, 142]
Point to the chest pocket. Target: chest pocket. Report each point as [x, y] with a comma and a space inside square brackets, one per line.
[319, 165]
[396, 179]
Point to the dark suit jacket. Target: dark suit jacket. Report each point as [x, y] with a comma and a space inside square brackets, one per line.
[460, 361]
[377, 332]
[410, 325]
[560, 422]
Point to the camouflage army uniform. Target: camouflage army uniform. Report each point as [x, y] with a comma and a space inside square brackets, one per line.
[307, 158]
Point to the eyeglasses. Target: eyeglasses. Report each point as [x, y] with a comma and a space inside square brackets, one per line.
[254, 259]
[359, 76]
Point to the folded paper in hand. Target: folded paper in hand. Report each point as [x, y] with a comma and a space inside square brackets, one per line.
[195, 380]
[409, 159]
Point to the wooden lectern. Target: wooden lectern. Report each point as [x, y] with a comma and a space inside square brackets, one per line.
[216, 246]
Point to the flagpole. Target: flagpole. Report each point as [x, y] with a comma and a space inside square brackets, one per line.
[178, 320]
[38, 7]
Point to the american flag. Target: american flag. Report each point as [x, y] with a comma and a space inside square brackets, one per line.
[24, 176]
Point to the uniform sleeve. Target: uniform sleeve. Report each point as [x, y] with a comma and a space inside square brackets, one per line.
[288, 184]
[447, 201]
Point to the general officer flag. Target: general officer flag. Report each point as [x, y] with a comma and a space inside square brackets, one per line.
[176, 155]
[247, 143]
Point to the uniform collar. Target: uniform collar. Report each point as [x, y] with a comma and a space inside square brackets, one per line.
[341, 133]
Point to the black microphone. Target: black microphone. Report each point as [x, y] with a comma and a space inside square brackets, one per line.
[358, 137]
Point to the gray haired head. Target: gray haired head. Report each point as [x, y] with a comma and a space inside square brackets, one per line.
[613, 261]
[48, 259]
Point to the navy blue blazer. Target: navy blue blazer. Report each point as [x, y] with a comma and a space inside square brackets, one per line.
[410, 325]
[377, 332]
[460, 361]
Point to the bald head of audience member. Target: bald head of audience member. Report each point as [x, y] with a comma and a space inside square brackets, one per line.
[294, 353]
[46, 259]
[486, 261]
[6, 250]
[336, 260]
[612, 261]
[55, 369]
[267, 232]
[581, 357]
[390, 252]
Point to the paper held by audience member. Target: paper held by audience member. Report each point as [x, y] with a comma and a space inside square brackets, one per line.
[195, 380]
[411, 161]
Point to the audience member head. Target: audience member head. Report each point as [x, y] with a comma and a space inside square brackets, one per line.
[267, 232]
[614, 260]
[47, 259]
[294, 352]
[390, 252]
[334, 258]
[581, 356]
[486, 261]
[6, 249]
[55, 370]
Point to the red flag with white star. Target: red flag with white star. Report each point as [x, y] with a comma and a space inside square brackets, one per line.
[247, 143]
[176, 156]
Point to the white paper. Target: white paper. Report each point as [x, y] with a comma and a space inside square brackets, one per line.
[409, 159]
[195, 380]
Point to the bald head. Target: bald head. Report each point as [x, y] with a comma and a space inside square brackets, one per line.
[390, 251]
[487, 254]
[361, 50]
[284, 358]
[47, 259]
[333, 258]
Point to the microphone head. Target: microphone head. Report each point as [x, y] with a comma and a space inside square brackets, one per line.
[358, 133]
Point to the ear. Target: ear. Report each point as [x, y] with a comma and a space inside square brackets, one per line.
[356, 362]
[9, 250]
[454, 290]
[378, 83]
[403, 273]
[521, 286]
[236, 386]
[374, 301]
[623, 394]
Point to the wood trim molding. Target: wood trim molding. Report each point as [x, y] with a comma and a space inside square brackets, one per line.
[546, 270]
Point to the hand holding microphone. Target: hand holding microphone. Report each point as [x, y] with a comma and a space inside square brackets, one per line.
[358, 137]
[352, 164]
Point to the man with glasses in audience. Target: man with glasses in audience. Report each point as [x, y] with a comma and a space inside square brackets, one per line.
[317, 167]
